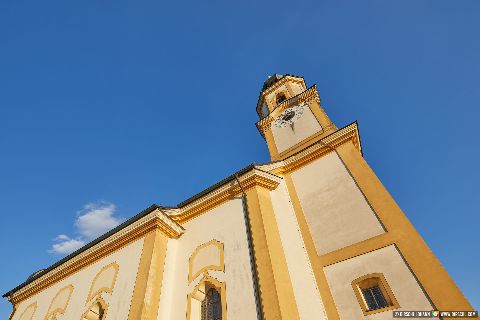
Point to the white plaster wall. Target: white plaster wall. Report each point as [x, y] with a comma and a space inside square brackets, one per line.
[307, 295]
[336, 211]
[297, 88]
[224, 223]
[105, 279]
[303, 128]
[169, 286]
[208, 256]
[119, 301]
[388, 261]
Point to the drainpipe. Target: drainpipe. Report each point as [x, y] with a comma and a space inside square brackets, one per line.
[253, 264]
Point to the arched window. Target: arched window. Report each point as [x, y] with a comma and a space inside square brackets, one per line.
[280, 98]
[207, 301]
[212, 305]
[96, 312]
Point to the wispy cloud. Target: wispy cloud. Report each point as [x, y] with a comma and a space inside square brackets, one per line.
[65, 245]
[92, 221]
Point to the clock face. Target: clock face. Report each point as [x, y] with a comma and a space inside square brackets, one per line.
[289, 116]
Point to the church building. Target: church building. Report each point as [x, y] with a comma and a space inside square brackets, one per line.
[311, 235]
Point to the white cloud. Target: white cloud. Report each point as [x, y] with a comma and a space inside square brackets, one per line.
[96, 218]
[66, 245]
[92, 221]
[62, 237]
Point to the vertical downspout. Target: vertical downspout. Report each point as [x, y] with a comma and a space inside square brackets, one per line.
[253, 264]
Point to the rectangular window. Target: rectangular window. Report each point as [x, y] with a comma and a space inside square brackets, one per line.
[374, 298]
[374, 294]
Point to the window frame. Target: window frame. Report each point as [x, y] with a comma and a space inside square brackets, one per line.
[102, 304]
[369, 281]
[198, 293]
[280, 96]
[206, 302]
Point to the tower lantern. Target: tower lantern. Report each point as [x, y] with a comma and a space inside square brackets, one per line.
[291, 116]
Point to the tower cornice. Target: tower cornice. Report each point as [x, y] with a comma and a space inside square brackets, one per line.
[286, 78]
[306, 96]
[316, 150]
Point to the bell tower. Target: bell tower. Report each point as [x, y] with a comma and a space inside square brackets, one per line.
[291, 116]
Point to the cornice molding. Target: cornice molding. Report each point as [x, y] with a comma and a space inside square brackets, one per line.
[155, 220]
[169, 220]
[306, 96]
[166, 220]
[281, 82]
[276, 85]
[254, 177]
[316, 150]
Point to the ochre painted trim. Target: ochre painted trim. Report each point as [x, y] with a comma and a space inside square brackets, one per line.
[325, 293]
[250, 179]
[55, 276]
[318, 146]
[359, 248]
[102, 302]
[301, 145]
[401, 232]
[288, 84]
[148, 283]
[62, 309]
[384, 287]
[215, 198]
[436, 282]
[32, 305]
[109, 289]
[218, 285]
[308, 95]
[276, 291]
[286, 79]
[272, 147]
[220, 267]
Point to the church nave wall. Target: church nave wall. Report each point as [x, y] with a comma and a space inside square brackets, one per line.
[216, 235]
[72, 296]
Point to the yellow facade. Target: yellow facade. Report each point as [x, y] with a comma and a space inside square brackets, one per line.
[312, 235]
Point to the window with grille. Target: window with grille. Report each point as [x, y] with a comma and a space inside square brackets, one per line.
[212, 306]
[374, 294]
[374, 298]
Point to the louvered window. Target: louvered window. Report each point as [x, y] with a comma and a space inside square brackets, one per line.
[280, 98]
[265, 111]
[212, 306]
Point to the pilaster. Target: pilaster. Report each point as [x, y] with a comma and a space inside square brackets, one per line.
[148, 284]
[276, 290]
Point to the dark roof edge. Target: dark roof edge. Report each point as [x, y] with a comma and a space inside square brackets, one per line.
[136, 217]
[217, 185]
[146, 211]
[285, 75]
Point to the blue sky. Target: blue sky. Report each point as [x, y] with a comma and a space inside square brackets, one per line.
[109, 106]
